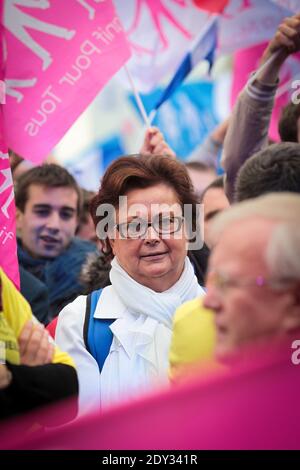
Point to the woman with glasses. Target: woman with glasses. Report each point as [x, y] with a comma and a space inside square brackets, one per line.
[145, 215]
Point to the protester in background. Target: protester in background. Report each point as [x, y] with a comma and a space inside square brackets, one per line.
[249, 123]
[48, 202]
[214, 201]
[289, 122]
[254, 273]
[86, 229]
[36, 294]
[252, 285]
[274, 169]
[150, 274]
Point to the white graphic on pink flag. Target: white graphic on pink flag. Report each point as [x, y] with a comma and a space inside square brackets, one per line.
[8, 249]
[6, 184]
[13, 85]
[158, 13]
[8, 246]
[17, 22]
[91, 10]
[66, 51]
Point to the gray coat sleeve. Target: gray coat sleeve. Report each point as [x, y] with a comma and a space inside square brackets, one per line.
[248, 129]
[207, 153]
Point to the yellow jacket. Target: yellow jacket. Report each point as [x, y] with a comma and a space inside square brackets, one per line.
[14, 313]
[193, 338]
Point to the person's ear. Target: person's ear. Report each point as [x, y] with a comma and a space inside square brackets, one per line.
[110, 242]
[19, 219]
[292, 317]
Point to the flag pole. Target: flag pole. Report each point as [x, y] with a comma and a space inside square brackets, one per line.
[152, 115]
[263, 66]
[137, 98]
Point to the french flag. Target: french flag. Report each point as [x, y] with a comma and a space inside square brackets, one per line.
[202, 49]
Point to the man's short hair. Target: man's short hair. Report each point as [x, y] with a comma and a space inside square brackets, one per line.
[275, 169]
[48, 175]
[287, 125]
[199, 166]
[87, 196]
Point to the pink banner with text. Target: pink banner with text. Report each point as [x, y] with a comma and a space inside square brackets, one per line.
[8, 246]
[59, 56]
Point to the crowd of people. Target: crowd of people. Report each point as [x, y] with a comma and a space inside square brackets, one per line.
[167, 267]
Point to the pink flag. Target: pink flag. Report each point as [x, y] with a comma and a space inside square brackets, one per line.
[8, 247]
[60, 55]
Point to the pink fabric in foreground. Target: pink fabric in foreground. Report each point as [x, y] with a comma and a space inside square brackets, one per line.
[255, 406]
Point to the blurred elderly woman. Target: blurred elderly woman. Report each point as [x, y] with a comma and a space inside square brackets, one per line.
[147, 235]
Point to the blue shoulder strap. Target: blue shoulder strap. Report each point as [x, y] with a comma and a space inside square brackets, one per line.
[97, 334]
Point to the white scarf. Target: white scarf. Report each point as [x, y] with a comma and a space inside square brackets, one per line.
[160, 306]
[138, 357]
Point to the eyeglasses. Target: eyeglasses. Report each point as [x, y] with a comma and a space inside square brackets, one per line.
[137, 228]
[223, 282]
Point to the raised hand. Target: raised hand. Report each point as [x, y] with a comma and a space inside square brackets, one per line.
[286, 39]
[154, 143]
